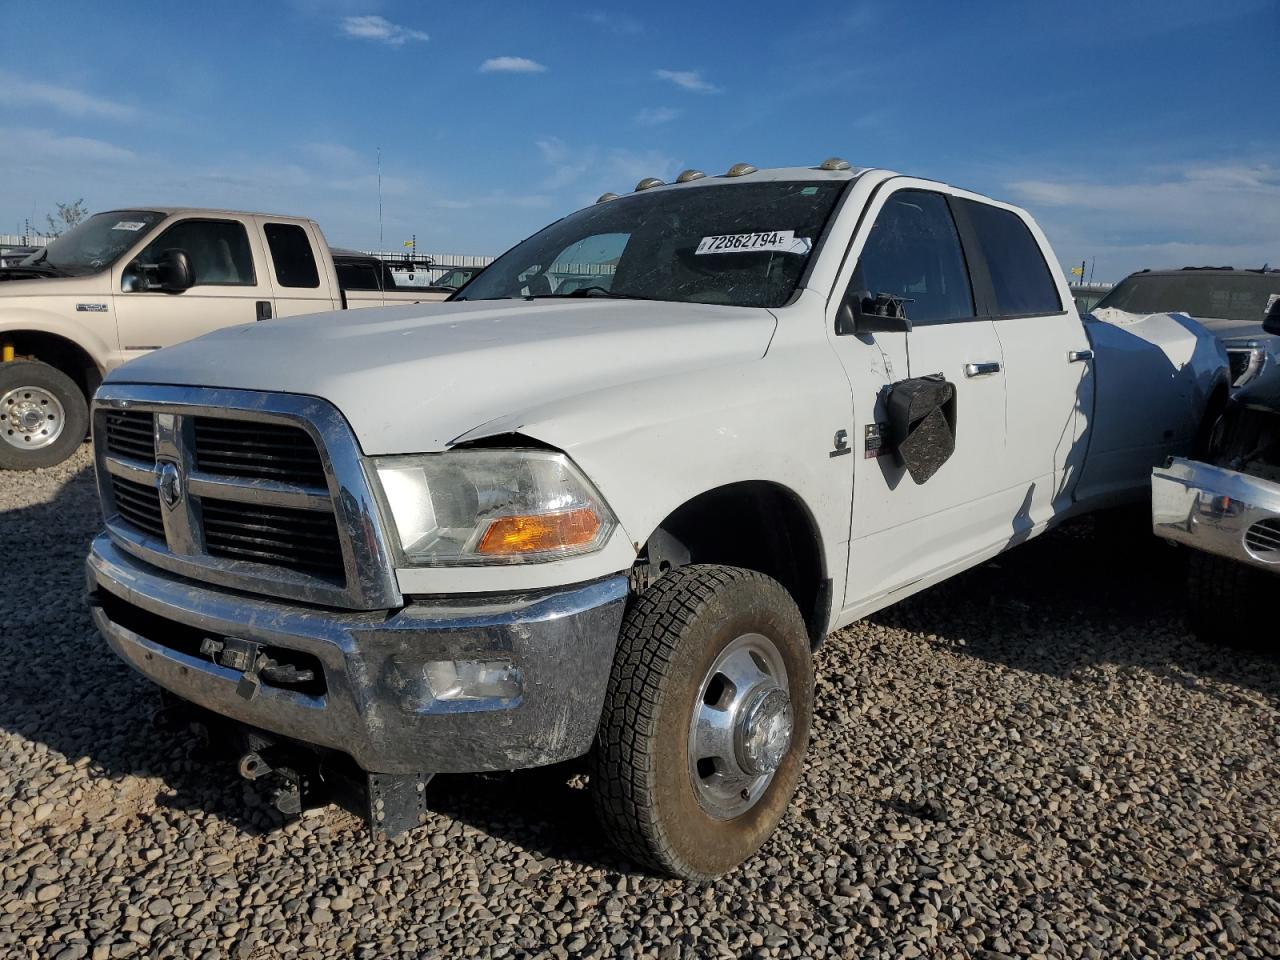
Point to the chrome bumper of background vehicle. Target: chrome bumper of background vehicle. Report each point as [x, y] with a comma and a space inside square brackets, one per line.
[1217, 510]
[373, 700]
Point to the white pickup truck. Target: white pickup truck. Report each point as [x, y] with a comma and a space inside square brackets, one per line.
[125, 282]
[615, 516]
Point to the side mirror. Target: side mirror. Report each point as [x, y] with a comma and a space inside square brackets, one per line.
[922, 424]
[173, 271]
[862, 313]
[1272, 323]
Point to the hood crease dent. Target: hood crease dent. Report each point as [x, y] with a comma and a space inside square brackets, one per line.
[414, 379]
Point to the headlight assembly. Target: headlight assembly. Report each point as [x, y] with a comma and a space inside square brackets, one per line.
[468, 507]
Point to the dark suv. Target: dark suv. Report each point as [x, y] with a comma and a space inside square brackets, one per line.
[1226, 507]
[1230, 302]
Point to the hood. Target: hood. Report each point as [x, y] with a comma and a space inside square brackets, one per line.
[20, 283]
[412, 379]
[1232, 329]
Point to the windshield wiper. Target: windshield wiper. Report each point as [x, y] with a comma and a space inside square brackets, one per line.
[35, 268]
[592, 291]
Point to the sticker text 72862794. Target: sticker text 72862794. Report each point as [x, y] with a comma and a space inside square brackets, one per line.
[776, 241]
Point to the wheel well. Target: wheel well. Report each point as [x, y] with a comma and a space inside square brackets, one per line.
[58, 352]
[758, 525]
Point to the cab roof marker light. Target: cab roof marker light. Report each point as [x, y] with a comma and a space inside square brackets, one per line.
[740, 170]
[606, 197]
[648, 183]
[688, 176]
[834, 163]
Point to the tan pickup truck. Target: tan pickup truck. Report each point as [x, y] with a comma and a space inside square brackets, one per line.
[126, 282]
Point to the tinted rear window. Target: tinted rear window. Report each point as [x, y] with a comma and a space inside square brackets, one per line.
[291, 251]
[1022, 281]
[1209, 294]
[356, 276]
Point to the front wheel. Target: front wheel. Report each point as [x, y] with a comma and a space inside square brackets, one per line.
[706, 721]
[43, 415]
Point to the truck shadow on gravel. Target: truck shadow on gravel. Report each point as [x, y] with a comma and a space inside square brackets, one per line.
[1107, 599]
[1079, 597]
[61, 687]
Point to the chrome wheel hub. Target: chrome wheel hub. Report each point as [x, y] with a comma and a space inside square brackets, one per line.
[765, 733]
[741, 727]
[30, 418]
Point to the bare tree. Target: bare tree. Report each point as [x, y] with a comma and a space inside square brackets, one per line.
[69, 214]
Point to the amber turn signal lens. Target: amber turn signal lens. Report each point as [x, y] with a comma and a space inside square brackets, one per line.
[539, 533]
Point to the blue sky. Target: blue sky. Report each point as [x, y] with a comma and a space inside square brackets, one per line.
[1139, 133]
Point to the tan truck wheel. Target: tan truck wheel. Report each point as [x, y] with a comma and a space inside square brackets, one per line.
[43, 415]
[706, 720]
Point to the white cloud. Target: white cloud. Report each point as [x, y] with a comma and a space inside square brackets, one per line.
[494, 198]
[72, 102]
[337, 155]
[656, 116]
[511, 65]
[616, 23]
[1225, 213]
[32, 145]
[380, 29]
[553, 149]
[580, 174]
[687, 80]
[1231, 201]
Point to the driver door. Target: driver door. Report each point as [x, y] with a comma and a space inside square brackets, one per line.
[905, 534]
[230, 285]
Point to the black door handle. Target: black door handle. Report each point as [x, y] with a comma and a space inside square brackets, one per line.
[264, 309]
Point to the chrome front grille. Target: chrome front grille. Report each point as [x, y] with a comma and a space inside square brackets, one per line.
[255, 491]
[131, 433]
[139, 505]
[266, 451]
[297, 539]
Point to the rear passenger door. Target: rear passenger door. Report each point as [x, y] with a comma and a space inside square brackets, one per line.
[298, 268]
[1047, 360]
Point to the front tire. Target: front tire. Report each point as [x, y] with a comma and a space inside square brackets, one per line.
[706, 721]
[43, 415]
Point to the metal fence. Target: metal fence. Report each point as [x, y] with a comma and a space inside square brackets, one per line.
[441, 263]
[17, 240]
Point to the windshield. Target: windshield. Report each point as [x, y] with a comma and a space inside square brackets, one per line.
[1206, 294]
[95, 244]
[744, 244]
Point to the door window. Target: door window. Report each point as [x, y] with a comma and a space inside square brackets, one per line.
[914, 252]
[1020, 278]
[218, 251]
[291, 252]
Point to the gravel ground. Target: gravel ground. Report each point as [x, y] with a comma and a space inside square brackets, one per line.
[1035, 759]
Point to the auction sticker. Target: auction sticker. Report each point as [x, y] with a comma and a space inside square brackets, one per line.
[134, 225]
[777, 241]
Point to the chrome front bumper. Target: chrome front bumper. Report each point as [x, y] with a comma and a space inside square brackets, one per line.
[1217, 510]
[373, 701]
